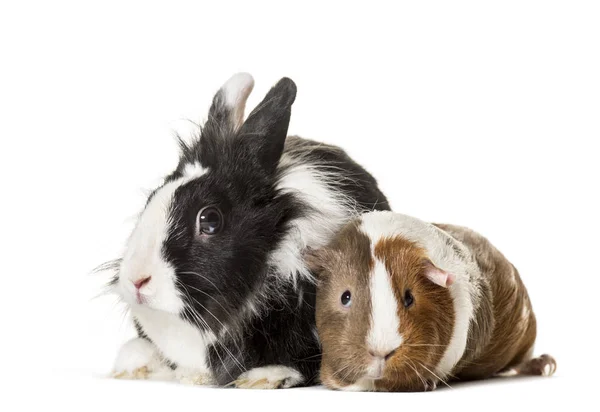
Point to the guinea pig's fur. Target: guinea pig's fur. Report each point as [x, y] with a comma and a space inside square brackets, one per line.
[428, 303]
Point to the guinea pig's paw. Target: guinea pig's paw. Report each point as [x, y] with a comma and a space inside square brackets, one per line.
[547, 365]
[137, 359]
[544, 365]
[430, 385]
[269, 377]
[193, 377]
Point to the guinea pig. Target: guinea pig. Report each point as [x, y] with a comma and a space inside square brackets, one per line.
[404, 305]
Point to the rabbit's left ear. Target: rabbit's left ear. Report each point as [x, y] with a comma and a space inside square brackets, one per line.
[229, 103]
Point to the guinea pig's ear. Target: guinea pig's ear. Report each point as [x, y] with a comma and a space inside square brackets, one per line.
[436, 275]
[227, 109]
[265, 129]
[315, 260]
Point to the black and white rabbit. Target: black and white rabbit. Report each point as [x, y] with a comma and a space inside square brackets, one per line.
[213, 271]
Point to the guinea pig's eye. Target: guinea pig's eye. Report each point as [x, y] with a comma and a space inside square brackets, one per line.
[408, 299]
[210, 220]
[346, 299]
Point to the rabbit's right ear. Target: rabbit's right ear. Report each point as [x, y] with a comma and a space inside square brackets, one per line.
[229, 103]
[265, 129]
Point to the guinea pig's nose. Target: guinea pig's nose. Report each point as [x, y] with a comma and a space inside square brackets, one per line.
[382, 354]
[141, 282]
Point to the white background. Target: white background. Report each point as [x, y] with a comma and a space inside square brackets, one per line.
[468, 113]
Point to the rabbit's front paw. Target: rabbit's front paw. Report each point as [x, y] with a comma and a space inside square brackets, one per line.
[137, 359]
[269, 377]
[193, 377]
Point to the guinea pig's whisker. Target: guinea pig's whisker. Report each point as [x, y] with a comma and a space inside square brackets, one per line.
[420, 344]
[341, 369]
[411, 365]
[354, 369]
[350, 369]
[451, 375]
[414, 368]
[430, 371]
[308, 357]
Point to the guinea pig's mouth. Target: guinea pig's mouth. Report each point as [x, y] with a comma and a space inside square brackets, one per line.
[365, 380]
[362, 384]
[375, 370]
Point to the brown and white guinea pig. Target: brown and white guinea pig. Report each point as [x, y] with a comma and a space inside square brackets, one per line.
[403, 305]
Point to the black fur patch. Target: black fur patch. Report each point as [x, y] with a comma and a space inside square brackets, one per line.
[220, 275]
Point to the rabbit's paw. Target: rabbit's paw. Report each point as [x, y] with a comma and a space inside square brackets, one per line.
[269, 377]
[137, 359]
[193, 377]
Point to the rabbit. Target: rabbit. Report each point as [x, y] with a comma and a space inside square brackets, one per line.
[213, 272]
[404, 305]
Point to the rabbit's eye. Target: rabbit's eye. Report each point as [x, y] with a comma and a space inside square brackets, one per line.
[210, 221]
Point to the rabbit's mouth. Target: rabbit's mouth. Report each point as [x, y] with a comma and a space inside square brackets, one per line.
[140, 299]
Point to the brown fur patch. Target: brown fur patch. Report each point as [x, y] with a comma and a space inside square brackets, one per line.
[505, 328]
[344, 265]
[426, 326]
[501, 336]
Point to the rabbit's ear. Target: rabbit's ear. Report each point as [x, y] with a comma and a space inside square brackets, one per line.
[266, 127]
[229, 103]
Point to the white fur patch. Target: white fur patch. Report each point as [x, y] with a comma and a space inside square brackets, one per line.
[193, 377]
[362, 385]
[135, 354]
[463, 309]
[383, 336]
[376, 368]
[331, 210]
[193, 170]
[508, 373]
[270, 377]
[525, 313]
[236, 91]
[315, 333]
[179, 341]
[143, 254]
[381, 224]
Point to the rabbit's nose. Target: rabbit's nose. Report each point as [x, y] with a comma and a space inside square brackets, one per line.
[141, 282]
